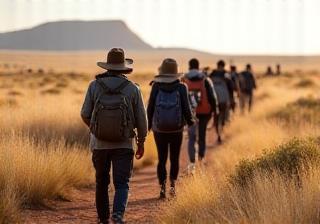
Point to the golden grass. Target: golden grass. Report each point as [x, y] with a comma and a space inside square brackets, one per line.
[209, 197]
[43, 141]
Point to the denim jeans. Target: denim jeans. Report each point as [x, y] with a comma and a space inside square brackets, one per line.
[192, 135]
[198, 131]
[122, 164]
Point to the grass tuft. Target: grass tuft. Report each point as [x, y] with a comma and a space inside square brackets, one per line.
[289, 159]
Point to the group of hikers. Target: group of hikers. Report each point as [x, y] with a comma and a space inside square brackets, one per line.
[114, 111]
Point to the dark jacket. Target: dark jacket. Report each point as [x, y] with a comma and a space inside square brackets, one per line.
[212, 98]
[229, 83]
[169, 87]
[250, 82]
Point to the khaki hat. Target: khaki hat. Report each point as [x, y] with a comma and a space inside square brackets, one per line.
[168, 71]
[117, 62]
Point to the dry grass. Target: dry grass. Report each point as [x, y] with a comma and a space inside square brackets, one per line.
[43, 142]
[269, 197]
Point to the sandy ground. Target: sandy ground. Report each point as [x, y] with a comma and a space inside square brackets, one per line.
[143, 204]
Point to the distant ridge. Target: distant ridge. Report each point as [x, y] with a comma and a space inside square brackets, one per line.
[74, 36]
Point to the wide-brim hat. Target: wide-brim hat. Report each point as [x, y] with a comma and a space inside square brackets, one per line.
[168, 71]
[116, 61]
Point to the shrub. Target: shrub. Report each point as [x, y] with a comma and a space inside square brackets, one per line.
[303, 110]
[305, 83]
[51, 91]
[289, 160]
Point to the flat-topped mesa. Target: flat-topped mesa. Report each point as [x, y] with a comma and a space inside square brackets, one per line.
[74, 36]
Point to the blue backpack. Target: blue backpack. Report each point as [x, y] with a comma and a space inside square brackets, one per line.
[168, 112]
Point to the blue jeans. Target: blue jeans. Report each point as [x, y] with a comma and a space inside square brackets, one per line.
[122, 164]
[192, 134]
[198, 131]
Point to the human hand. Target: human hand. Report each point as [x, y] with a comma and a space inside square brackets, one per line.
[140, 151]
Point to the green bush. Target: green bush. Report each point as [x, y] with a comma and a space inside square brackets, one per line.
[289, 160]
[304, 110]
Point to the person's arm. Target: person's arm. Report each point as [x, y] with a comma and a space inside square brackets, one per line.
[151, 104]
[140, 117]
[88, 105]
[253, 81]
[230, 89]
[185, 104]
[211, 95]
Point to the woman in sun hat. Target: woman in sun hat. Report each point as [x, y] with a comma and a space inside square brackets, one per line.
[168, 111]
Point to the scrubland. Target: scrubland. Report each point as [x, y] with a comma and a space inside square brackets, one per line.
[43, 142]
[267, 171]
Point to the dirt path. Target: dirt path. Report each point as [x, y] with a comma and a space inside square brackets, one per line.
[143, 204]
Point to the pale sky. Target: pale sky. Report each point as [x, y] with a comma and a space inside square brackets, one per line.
[217, 26]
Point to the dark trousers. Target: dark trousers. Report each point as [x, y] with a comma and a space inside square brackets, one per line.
[221, 118]
[168, 142]
[122, 164]
[246, 98]
[203, 120]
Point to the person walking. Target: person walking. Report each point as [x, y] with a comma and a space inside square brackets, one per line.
[247, 86]
[113, 109]
[235, 81]
[168, 111]
[203, 102]
[224, 88]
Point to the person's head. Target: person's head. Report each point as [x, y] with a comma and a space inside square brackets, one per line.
[193, 64]
[168, 71]
[233, 68]
[116, 62]
[248, 67]
[221, 64]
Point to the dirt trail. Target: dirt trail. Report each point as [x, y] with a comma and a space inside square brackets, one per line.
[143, 204]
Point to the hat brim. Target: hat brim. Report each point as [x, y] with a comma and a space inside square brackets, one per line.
[167, 78]
[126, 66]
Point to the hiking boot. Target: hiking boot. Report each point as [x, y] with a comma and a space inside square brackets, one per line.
[163, 191]
[192, 168]
[173, 192]
[173, 189]
[117, 219]
[202, 162]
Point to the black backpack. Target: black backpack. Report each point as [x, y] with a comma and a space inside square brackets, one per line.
[112, 114]
[168, 112]
[246, 81]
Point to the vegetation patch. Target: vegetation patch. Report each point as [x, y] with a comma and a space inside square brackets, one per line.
[52, 91]
[262, 96]
[289, 159]
[14, 93]
[303, 110]
[305, 83]
[8, 103]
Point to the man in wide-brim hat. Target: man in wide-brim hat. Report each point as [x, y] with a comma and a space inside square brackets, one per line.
[117, 62]
[107, 151]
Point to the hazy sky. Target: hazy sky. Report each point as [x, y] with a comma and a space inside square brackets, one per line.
[218, 26]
